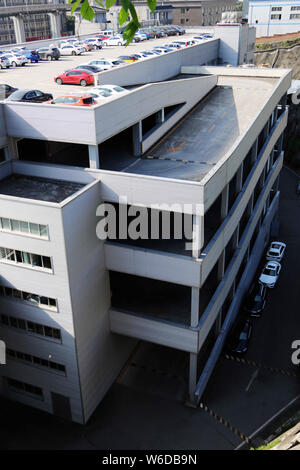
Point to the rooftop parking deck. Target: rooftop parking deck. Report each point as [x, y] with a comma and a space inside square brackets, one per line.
[204, 136]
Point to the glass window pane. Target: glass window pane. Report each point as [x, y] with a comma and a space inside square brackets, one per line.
[44, 300]
[13, 322]
[10, 254]
[19, 256]
[52, 302]
[39, 329]
[5, 223]
[26, 257]
[4, 319]
[21, 324]
[36, 260]
[48, 331]
[24, 227]
[30, 326]
[47, 262]
[16, 293]
[43, 231]
[56, 333]
[34, 229]
[15, 225]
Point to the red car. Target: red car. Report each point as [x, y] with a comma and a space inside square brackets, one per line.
[100, 36]
[75, 77]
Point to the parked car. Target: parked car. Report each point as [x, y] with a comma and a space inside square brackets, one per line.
[16, 59]
[72, 100]
[107, 63]
[75, 77]
[69, 49]
[148, 53]
[240, 337]
[127, 58]
[174, 46]
[256, 300]
[164, 49]
[4, 62]
[31, 55]
[111, 89]
[6, 90]
[47, 53]
[95, 43]
[276, 251]
[89, 68]
[30, 96]
[114, 41]
[270, 274]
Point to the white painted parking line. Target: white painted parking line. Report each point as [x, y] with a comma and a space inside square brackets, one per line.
[253, 377]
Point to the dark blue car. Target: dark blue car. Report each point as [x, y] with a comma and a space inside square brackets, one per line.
[31, 55]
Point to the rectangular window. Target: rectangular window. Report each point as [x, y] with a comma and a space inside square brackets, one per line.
[276, 8]
[20, 226]
[295, 16]
[23, 257]
[24, 387]
[31, 327]
[275, 17]
[296, 8]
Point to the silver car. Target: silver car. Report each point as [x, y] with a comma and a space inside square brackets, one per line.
[4, 62]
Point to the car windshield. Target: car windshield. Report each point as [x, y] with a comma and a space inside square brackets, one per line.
[16, 95]
[88, 100]
[270, 271]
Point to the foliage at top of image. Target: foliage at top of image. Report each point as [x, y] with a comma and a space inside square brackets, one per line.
[127, 13]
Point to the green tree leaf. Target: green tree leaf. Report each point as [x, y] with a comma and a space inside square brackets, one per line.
[151, 5]
[123, 16]
[86, 11]
[130, 31]
[109, 3]
[74, 6]
[100, 3]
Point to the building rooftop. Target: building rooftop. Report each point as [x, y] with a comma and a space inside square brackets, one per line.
[204, 136]
[41, 189]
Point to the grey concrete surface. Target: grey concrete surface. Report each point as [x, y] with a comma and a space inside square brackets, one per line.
[145, 408]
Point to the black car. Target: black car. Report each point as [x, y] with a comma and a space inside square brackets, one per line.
[89, 68]
[256, 300]
[49, 53]
[239, 338]
[30, 96]
[6, 90]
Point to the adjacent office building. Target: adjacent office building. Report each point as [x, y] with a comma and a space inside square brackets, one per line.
[274, 17]
[205, 148]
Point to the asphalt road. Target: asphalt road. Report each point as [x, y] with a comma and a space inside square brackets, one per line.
[41, 75]
[145, 408]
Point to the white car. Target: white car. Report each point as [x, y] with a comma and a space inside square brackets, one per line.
[107, 63]
[140, 37]
[112, 90]
[16, 59]
[174, 45]
[69, 49]
[114, 41]
[276, 251]
[95, 43]
[270, 274]
[4, 62]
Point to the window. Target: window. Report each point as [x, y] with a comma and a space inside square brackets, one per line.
[24, 387]
[275, 17]
[22, 257]
[37, 361]
[31, 327]
[295, 16]
[295, 8]
[20, 226]
[276, 8]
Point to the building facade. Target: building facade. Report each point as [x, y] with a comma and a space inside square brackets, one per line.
[274, 17]
[204, 13]
[74, 300]
[31, 20]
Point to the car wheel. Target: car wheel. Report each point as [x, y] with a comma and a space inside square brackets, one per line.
[73, 53]
[119, 44]
[59, 81]
[49, 58]
[24, 63]
[95, 47]
[7, 66]
[105, 44]
[36, 61]
[83, 83]
[56, 58]
[14, 64]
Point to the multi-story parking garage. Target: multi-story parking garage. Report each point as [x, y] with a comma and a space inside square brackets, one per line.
[204, 147]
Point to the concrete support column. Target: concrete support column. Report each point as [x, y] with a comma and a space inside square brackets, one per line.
[239, 179]
[55, 24]
[160, 116]
[13, 152]
[224, 202]
[137, 138]
[195, 297]
[19, 28]
[198, 235]
[94, 156]
[192, 377]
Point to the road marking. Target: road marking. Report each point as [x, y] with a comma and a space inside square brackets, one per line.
[211, 129]
[253, 377]
[177, 148]
[269, 421]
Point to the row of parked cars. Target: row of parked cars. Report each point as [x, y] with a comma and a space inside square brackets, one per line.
[255, 301]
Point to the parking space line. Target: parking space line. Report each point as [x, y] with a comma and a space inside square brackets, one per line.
[275, 370]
